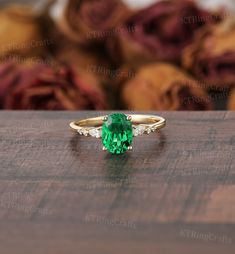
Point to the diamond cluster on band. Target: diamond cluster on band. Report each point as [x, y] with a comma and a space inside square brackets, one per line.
[137, 131]
[142, 129]
[94, 132]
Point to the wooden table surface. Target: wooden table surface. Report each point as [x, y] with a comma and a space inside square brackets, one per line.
[60, 193]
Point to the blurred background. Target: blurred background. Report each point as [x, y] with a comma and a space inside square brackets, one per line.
[113, 54]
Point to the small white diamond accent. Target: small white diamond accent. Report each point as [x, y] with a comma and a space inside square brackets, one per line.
[85, 132]
[95, 133]
[80, 132]
[139, 130]
[149, 131]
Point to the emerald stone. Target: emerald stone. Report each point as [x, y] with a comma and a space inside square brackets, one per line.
[117, 133]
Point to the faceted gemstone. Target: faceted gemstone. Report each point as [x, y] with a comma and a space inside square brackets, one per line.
[117, 133]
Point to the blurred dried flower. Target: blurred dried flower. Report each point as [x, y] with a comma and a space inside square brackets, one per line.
[43, 87]
[164, 87]
[159, 32]
[20, 32]
[88, 20]
[212, 56]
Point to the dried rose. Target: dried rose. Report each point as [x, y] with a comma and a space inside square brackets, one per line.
[211, 58]
[87, 20]
[164, 87]
[20, 32]
[159, 32]
[43, 87]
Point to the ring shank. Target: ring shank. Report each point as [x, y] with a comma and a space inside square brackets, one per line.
[158, 121]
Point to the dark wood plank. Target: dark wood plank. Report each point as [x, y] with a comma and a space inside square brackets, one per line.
[60, 193]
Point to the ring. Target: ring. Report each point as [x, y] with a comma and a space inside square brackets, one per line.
[117, 130]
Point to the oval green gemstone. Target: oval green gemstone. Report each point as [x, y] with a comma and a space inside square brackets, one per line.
[117, 133]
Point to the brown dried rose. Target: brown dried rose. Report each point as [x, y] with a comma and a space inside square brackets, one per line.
[164, 87]
[87, 20]
[43, 87]
[231, 101]
[20, 32]
[159, 32]
[211, 58]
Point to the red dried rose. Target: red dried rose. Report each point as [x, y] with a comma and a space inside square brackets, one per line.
[159, 32]
[46, 88]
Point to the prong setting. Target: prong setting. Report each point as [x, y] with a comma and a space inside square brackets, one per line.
[148, 131]
[104, 148]
[105, 118]
[130, 148]
[129, 118]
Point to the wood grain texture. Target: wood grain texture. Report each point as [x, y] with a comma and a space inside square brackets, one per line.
[60, 193]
